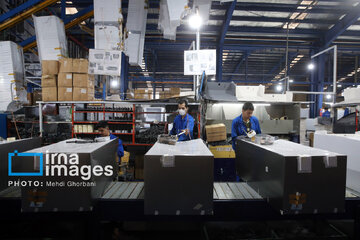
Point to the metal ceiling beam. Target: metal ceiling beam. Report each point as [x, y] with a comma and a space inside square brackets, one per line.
[23, 16]
[277, 7]
[18, 9]
[242, 60]
[220, 42]
[279, 64]
[340, 27]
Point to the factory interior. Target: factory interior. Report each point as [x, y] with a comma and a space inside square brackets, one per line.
[179, 119]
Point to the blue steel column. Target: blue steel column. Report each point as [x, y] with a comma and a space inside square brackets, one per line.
[246, 66]
[123, 76]
[219, 61]
[63, 9]
[220, 43]
[313, 88]
[320, 72]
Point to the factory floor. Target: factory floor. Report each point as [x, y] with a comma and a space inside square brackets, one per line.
[178, 230]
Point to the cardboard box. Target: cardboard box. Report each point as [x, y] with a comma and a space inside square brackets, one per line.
[50, 67]
[66, 65]
[83, 94]
[175, 91]
[82, 80]
[49, 94]
[145, 94]
[37, 96]
[222, 151]
[80, 65]
[215, 132]
[65, 80]
[48, 81]
[65, 94]
[164, 169]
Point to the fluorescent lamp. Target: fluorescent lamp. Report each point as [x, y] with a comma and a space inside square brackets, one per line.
[195, 21]
[311, 66]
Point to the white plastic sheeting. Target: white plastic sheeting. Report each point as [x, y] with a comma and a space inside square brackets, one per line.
[170, 15]
[347, 144]
[106, 11]
[107, 37]
[11, 74]
[136, 26]
[50, 38]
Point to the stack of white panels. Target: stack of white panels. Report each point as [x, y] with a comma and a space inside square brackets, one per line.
[107, 11]
[50, 38]
[136, 26]
[107, 37]
[11, 74]
[108, 28]
[352, 95]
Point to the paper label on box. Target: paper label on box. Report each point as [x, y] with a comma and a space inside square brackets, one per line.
[167, 161]
[225, 149]
[68, 89]
[68, 76]
[83, 90]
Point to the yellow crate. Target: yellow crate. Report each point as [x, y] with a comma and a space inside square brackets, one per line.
[222, 151]
[126, 157]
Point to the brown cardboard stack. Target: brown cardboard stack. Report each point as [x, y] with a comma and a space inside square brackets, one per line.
[172, 92]
[215, 132]
[50, 70]
[82, 82]
[145, 94]
[175, 92]
[67, 80]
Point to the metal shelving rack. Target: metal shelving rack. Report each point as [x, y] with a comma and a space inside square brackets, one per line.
[133, 113]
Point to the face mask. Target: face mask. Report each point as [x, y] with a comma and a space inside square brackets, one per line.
[182, 112]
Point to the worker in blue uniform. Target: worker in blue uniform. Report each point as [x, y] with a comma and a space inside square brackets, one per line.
[245, 123]
[183, 122]
[104, 131]
[326, 113]
[346, 112]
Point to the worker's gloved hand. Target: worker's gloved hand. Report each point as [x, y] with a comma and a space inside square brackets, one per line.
[187, 132]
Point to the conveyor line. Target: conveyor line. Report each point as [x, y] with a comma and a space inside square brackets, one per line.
[135, 190]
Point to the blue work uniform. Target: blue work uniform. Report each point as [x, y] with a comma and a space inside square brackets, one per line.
[346, 112]
[238, 128]
[120, 149]
[326, 114]
[181, 124]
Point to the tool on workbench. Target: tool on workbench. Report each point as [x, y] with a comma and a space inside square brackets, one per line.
[169, 139]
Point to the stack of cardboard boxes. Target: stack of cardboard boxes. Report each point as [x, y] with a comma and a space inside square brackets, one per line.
[67, 80]
[215, 132]
[173, 92]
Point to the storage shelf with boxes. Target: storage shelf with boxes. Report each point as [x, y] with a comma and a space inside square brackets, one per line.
[66, 80]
